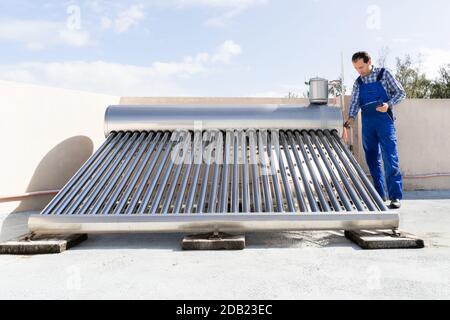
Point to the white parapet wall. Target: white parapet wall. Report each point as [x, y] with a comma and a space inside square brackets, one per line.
[423, 129]
[46, 134]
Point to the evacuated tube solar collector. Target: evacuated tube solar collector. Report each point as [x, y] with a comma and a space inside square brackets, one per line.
[218, 168]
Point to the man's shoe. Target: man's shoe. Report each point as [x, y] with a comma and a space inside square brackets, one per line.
[395, 204]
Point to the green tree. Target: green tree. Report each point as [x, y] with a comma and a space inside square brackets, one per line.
[440, 88]
[383, 55]
[413, 80]
[337, 88]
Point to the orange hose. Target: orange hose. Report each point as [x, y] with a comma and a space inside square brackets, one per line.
[27, 195]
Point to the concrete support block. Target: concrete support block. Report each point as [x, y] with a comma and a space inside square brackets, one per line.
[45, 244]
[214, 241]
[384, 239]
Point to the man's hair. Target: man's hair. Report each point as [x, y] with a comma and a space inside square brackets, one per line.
[361, 55]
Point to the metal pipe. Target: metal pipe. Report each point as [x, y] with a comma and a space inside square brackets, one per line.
[361, 173]
[166, 176]
[245, 179]
[179, 167]
[137, 173]
[198, 159]
[90, 184]
[23, 196]
[355, 198]
[99, 186]
[235, 176]
[119, 188]
[207, 166]
[295, 180]
[352, 175]
[274, 175]
[115, 173]
[330, 170]
[79, 174]
[218, 158]
[69, 196]
[262, 145]
[426, 175]
[134, 200]
[311, 200]
[224, 189]
[255, 173]
[187, 173]
[154, 180]
[284, 179]
[310, 165]
[323, 177]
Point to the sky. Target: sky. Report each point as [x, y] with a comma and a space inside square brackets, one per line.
[256, 48]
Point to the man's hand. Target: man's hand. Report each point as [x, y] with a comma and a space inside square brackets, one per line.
[349, 123]
[383, 108]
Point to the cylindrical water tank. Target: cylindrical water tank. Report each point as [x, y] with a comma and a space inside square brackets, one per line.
[318, 91]
[222, 117]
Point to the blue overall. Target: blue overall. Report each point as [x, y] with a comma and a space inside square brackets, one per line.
[379, 138]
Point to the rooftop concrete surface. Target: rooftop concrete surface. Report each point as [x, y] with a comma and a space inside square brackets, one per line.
[286, 265]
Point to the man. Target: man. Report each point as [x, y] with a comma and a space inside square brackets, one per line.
[375, 93]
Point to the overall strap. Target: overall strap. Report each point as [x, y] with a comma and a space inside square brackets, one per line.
[381, 74]
[360, 82]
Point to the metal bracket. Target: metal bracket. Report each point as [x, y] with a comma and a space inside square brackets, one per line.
[396, 233]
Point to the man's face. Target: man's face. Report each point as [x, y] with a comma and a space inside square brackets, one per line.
[363, 68]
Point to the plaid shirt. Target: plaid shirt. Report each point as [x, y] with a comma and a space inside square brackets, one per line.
[393, 88]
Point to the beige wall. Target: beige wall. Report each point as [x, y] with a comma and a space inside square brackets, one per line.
[45, 136]
[424, 142]
[48, 133]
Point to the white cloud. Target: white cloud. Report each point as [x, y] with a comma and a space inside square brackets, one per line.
[226, 52]
[128, 18]
[115, 16]
[184, 69]
[222, 20]
[34, 46]
[401, 40]
[200, 63]
[223, 3]
[106, 23]
[97, 6]
[124, 20]
[97, 76]
[74, 38]
[282, 91]
[39, 34]
[433, 59]
[233, 8]
[161, 78]
[296, 90]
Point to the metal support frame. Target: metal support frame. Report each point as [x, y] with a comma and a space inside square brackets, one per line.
[197, 223]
